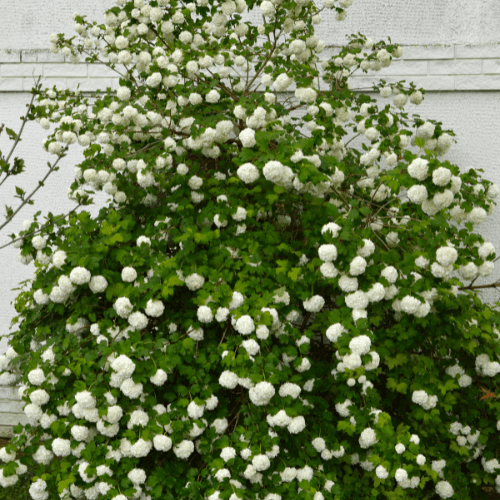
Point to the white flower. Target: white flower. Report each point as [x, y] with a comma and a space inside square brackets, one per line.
[162, 443]
[334, 332]
[381, 472]
[195, 411]
[319, 444]
[444, 489]
[129, 274]
[205, 314]
[228, 379]
[314, 304]
[357, 300]
[477, 215]
[418, 169]
[306, 94]
[131, 389]
[212, 97]
[367, 438]
[248, 173]
[194, 281]
[261, 393]
[446, 256]
[289, 389]
[360, 345]
[282, 82]
[261, 462]
[390, 274]
[36, 376]
[251, 346]
[400, 448]
[154, 308]
[245, 325]
[247, 137]
[401, 475]
[138, 320]
[417, 194]
[327, 253]
[98, 284]
[137, 476]
[357, 266]
[123, 307]
[228, 453]
[184, 449]
[80, 276]
[297, 425]
[195, 182]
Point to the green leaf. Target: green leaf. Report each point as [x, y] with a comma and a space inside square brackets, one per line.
[420, 142]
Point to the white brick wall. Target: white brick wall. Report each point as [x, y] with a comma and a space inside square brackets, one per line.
[435, 68]
[11, 410]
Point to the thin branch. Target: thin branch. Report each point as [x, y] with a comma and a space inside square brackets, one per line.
[42, 228]
[40, 184]
[25, 119]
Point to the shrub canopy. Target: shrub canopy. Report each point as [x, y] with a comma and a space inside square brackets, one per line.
[280, 299]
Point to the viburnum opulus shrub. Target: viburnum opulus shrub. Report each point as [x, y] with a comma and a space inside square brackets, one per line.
[262, 310]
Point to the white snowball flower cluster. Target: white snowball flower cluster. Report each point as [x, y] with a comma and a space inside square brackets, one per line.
[289, 389]
[194, 281]
[367, 438]
[184, 449]
[382, 472]
[360, 345]
[441, 176]
[425, 400]
[261, 462]
[332, 228]
[281, 419]
[138, 321]
[154, 308]
[319, 444]
[228, 379]
[314, 304]
[261, 393]
[444, 489]
[357, 300]
[418, 169]
[417, 194]
[367, 249]
[297, 425]
[195, 411]
[400, 448]
[446, 256]
[98, 284]
[80, 276]
[129, 274]
[245, 325]
[282, 82]
[342, 408]
[327, 253]
[357, 266]
[278, 173]
[307, 95]
[205, 314]
[486, 367]
[248, 173]
[123, 307]
[334, 332]
[162, 443]
[390, 274]
[247, 138]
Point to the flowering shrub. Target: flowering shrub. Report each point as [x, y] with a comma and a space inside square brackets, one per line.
[279, 301]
